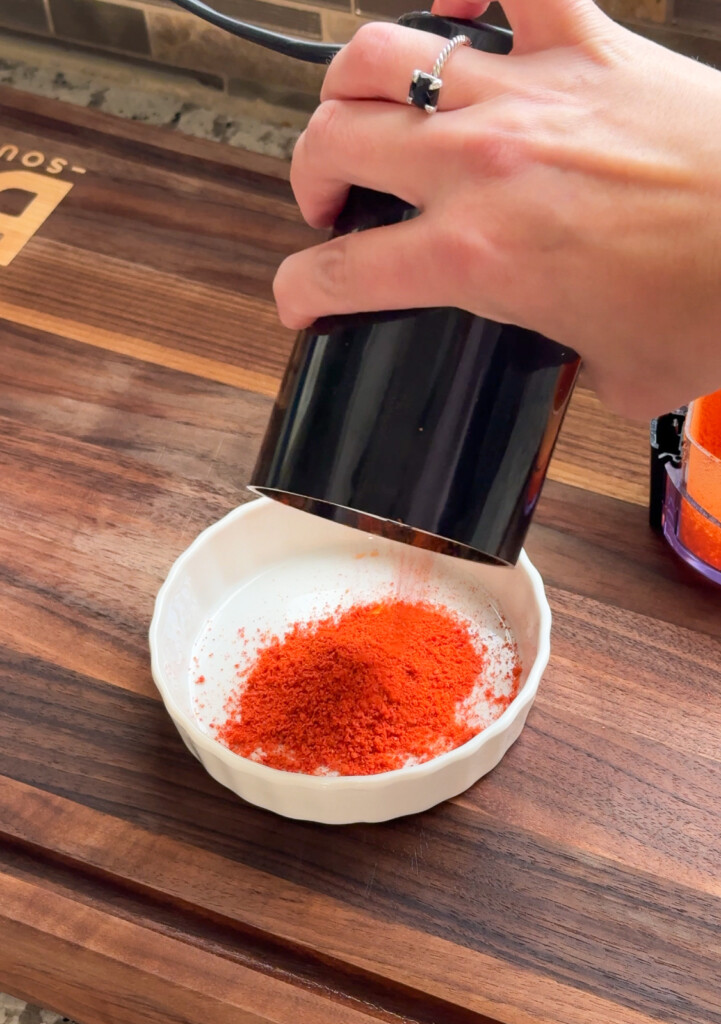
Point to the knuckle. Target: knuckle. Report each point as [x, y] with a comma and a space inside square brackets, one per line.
[313, 154]
[372, 48]
[321, 125]
[498, 152]
[296, 165]
[333, 267]
[286, 295]
[373, 37]
[467, 256]
[315, 278]
[301, 177]
[457, 250]
[501, 146]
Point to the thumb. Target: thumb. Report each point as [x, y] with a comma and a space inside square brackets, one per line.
[536, 24]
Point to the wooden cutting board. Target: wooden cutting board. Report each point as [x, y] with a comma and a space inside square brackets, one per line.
[139, 352]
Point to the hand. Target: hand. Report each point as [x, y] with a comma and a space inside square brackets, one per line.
[572, 187]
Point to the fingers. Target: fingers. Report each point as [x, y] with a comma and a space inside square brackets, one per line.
[536, 24]
[382, 146]
[379, 62]
[393, 267]
[545, 24]
[467, 9]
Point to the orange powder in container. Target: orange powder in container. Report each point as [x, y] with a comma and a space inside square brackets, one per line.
[700, 527]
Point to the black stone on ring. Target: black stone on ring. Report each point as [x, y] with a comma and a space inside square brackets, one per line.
[425, 88]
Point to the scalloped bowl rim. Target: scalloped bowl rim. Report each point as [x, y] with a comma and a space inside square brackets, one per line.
[276, 776]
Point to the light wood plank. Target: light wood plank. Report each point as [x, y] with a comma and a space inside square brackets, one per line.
[601, 452]
[98, 966]
[139, 348]
[477, 981]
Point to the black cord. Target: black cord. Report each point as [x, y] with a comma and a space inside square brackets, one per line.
[301, 49]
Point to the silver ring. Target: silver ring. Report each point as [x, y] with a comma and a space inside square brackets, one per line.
[425, 89]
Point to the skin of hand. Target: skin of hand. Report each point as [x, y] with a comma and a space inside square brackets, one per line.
[572, 187]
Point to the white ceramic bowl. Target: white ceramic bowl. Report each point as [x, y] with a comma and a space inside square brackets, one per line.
[268, 565]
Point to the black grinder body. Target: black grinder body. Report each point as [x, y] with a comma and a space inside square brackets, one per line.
[429, 426]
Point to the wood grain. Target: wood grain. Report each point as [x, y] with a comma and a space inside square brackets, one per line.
[141, 348]
[92, 952]
[119, 427]
[313, 923]
[577, 884]
[601, 452]
[138, 239]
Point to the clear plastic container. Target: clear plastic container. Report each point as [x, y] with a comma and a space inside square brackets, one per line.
[692, 507]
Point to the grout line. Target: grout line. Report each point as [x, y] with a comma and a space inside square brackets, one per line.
[49, 15]
[295, 5]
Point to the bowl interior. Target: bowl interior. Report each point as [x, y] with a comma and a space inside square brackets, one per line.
[266, 566]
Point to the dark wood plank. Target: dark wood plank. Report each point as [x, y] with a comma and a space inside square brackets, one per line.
[602, 548]
[181, 424]
[89, 129]
[454, 873]
[142, 459]
[94, 961]
[414, 961]
[156, 246]
[326, 977]
[601, 452]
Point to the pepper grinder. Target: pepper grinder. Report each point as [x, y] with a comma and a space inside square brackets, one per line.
[433, 427]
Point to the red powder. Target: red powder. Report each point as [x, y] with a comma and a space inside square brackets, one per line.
[360, 692]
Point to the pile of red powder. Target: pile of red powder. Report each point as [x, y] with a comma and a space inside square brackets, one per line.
[360, 692]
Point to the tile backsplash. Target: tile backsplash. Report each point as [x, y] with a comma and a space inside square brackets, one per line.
[706, 13]
[25, 14]
[158, 32]
[110, 26]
